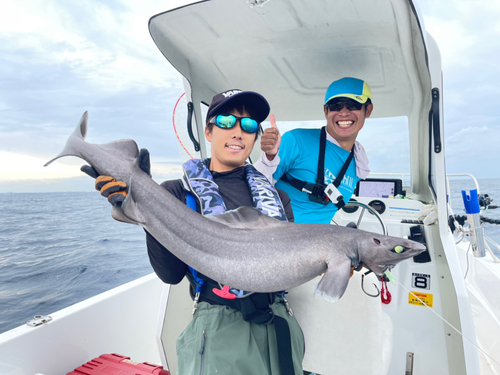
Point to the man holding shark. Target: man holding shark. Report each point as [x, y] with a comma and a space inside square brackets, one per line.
[242, 240]
[256, 334]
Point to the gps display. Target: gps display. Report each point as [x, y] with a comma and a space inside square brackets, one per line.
[379, 188]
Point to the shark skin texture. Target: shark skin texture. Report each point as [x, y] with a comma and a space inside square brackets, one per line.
[242, 248]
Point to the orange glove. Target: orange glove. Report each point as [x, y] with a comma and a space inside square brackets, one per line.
[115, 191]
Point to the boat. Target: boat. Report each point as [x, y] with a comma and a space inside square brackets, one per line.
[444, 312]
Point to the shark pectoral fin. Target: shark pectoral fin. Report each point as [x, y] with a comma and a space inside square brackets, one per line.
[118, 215]
[334, 282]
[129, 212]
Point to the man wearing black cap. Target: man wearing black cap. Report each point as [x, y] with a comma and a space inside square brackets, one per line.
[256, 334]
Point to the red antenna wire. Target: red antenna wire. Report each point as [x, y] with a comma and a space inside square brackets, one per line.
[175, 128]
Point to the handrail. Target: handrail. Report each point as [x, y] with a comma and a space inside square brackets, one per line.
[462, 175]
[372, 210]
[448, 189]
[402, 175]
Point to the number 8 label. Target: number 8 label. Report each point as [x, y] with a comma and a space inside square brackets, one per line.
[421, 281]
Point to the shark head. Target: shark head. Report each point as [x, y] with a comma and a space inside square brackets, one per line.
[380, 253]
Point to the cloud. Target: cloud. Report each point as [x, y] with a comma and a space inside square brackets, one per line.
[101, 43]
[468, 35]
[62, 58]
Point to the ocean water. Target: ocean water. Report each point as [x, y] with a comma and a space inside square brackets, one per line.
[57, 249]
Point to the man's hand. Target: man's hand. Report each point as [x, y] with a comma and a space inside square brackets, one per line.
[116, 191]
[271, 139]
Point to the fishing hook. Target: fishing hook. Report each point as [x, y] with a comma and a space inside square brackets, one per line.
[363, 285]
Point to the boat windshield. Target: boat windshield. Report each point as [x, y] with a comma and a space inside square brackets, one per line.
[381, 138]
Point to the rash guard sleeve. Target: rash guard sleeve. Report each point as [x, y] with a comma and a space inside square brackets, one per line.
[289, 153]
[167, 266]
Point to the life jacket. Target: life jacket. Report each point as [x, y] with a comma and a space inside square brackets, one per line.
[198, 180]
[200, 186]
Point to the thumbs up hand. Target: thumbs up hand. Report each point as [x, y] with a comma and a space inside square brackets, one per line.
[271, 139]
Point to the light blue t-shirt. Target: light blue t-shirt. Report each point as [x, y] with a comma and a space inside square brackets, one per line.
[299, 152]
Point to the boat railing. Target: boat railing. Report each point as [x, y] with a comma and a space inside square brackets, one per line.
[448, 189]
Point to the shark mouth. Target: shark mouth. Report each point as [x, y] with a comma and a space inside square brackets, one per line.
[383, 268]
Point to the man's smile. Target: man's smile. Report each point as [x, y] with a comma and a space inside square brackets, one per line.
[345, 123]
[235, 147]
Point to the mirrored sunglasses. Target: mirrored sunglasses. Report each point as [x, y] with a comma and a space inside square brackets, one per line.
[337, 106]
[248, 124]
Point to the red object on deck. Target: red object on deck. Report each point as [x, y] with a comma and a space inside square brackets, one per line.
[114, 364]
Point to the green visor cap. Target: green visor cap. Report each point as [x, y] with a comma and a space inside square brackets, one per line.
[348, 87]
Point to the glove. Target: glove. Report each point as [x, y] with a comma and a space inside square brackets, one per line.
[116, 191]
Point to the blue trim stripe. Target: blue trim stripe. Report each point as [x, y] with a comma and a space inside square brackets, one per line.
[405, 209]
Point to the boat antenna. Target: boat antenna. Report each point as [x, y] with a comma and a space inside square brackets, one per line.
[179, 121]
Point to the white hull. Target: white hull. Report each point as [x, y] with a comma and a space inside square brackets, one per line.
[128, 320]
[122, 320]
[277, 47]
[483, 287]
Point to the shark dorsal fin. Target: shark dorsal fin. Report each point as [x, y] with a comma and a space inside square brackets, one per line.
[125, 149]
[246, 218]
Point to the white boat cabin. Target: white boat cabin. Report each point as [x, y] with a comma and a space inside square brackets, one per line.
[290, 51]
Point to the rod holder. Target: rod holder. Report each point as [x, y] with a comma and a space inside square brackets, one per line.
[471, 203]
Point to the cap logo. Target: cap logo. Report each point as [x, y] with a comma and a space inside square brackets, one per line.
[359, 97]
[227, 94]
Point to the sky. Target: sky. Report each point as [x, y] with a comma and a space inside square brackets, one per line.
[60, 58]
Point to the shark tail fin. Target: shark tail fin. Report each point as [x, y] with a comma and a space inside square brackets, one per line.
[335, 280]
[76, 137]
[128, 212]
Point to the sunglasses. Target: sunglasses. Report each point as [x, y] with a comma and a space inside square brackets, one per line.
[351, 105]
[248, 124]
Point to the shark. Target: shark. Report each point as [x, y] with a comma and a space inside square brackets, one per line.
[242, 248]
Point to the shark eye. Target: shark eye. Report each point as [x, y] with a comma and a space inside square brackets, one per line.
[376, 241]
[399, 249]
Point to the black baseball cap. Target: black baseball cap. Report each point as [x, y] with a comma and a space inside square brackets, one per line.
[258, 103]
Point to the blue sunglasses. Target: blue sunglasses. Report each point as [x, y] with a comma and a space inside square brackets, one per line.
[248, 124]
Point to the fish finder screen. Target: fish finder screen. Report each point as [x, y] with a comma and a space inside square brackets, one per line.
[376, 189]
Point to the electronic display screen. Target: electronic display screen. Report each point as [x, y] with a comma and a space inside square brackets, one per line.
[376, 189]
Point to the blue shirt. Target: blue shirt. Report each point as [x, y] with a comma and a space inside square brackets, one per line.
[299, 152]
